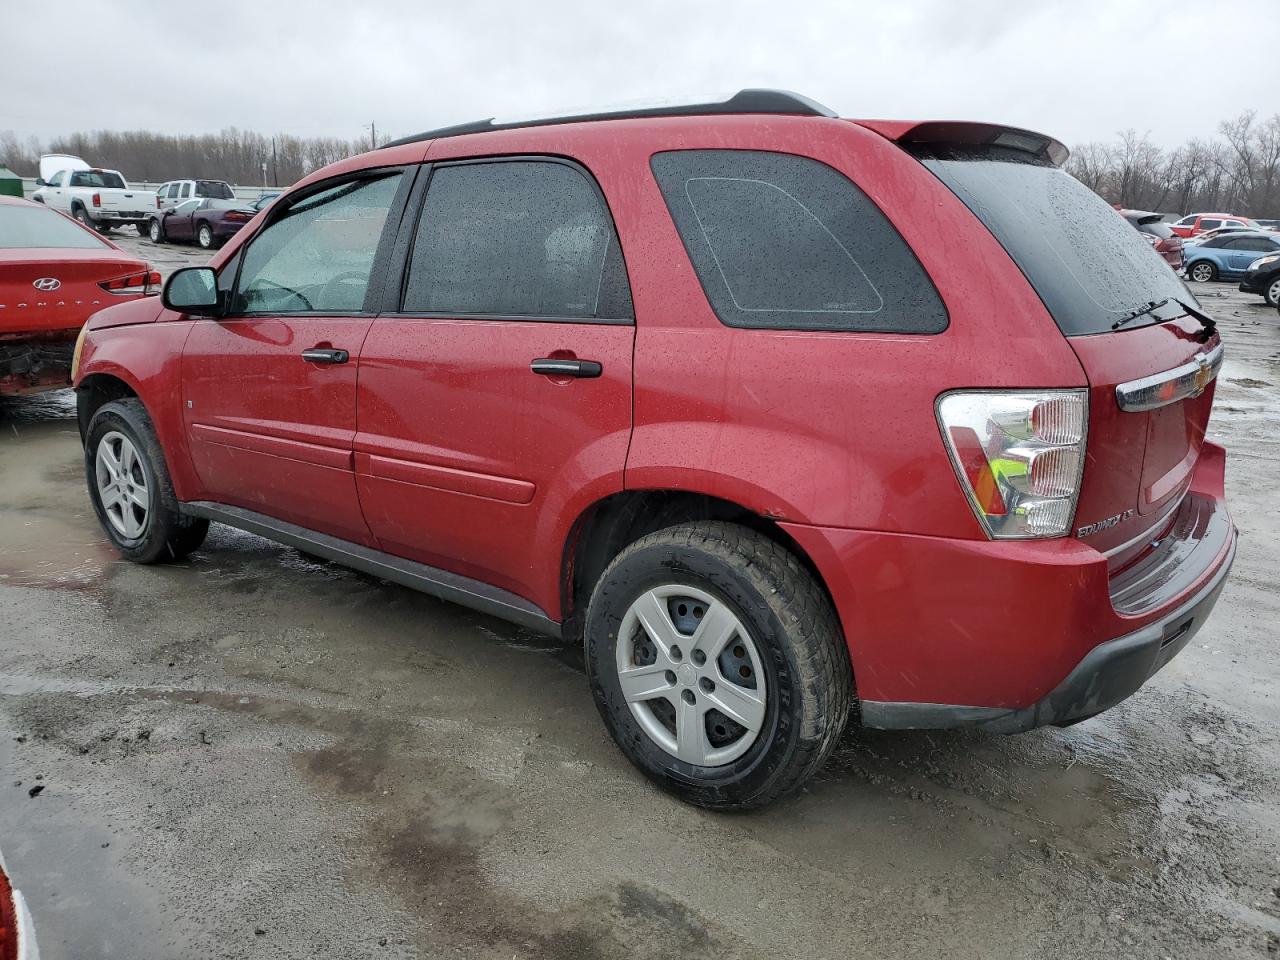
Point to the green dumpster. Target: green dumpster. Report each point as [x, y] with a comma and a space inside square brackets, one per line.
[10, 183]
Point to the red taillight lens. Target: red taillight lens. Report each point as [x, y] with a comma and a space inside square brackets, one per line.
[97, 199]
[134, 284]
[157, 203]
[238, 216]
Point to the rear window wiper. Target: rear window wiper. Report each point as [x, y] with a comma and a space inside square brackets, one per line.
[1148, 307]
[1210, 325]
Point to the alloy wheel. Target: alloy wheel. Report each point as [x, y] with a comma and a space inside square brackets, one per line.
[1273, 293]
[122, 485]
[1202, 273]
[691, 675]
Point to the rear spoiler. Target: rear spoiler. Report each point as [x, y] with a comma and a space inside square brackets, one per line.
[970, 134]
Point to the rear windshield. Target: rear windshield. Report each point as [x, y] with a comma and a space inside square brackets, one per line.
[97, 178]
[23, 227]
[215, 189]
[1088, 264]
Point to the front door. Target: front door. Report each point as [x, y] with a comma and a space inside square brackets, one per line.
[495, 403]
[177, 222]
[270, 389]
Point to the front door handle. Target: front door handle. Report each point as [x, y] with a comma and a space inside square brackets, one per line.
[325, 355]
[586, 369]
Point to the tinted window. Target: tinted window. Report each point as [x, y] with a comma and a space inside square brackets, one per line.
[23, 226]
[785, 242]
[1218, 241]
[1157, 229]
[317, 256]
[185, 190]
[1088, 265]
[1210, 224]
[517, 238]
[214, 189]
[173, 192]
[97, 178]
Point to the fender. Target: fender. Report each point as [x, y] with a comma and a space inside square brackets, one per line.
[147, 357]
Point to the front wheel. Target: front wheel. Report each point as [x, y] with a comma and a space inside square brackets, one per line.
[130, 488]
[155, 232]
[1202, 272]
[204, 236]
[717, 664]
[1273, 293]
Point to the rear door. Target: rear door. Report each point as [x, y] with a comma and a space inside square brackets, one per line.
[495, 393]
[270, 390]
[1121, 309]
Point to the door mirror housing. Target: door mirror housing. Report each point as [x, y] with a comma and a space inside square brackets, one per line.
[193, 290]
[41, 182]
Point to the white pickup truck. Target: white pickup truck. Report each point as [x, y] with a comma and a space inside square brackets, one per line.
[101, 199]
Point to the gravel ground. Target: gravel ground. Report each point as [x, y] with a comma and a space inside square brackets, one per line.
[250, 754]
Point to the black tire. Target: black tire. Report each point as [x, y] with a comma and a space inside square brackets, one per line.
[1273, 293]
[168, 534]
[81, 214]
[205, 238]
[143, 228]
[1206, 270]
[155, 230]
[808, 681]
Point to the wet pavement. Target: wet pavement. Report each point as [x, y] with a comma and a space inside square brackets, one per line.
[251, 754]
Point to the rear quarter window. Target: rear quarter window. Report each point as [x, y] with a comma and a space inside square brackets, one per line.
[785, 242]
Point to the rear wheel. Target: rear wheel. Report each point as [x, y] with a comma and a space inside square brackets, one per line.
[130, 488]
[143, 228]
[1273, 293]
[1202, 271]
[204, 236]
[717, 664]
[82, 215]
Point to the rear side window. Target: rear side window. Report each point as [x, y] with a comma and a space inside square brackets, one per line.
[521, 238]
[784, 242]
[1210, 224]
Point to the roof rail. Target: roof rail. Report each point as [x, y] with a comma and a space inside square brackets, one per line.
[744, 101]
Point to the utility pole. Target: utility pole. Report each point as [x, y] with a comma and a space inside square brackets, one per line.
[373, 126]
[275, 167]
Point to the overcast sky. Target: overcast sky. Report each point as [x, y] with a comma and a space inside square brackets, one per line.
[1076, 69]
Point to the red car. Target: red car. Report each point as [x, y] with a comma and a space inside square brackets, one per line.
[713, 390]
[54, 273]
[1194, 224]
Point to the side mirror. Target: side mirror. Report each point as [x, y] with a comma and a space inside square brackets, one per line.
[41, 182]
[192, 290]
[167, 212]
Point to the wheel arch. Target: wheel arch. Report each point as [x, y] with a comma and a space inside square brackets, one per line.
[609, 525]
[94, 391]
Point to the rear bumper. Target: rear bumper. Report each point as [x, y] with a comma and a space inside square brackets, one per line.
[1017, 634]
[33, 366]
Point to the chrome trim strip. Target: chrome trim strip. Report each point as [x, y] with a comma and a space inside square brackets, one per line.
[1162, 389]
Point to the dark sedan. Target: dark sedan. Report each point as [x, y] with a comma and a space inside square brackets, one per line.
[1263, 276]
[206, 222]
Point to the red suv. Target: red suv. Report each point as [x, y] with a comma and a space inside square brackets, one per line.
[713, 390]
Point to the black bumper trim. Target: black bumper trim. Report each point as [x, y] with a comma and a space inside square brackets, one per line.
[1109, 673]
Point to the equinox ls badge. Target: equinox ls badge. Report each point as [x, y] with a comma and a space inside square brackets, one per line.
[1091, 528]
[47, 284]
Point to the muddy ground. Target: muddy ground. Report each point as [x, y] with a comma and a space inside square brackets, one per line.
[253, 755]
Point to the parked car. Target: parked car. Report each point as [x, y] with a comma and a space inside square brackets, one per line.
[1158, 233]
[207, 223]
[1268, 224]
[636, 379]
[1196, 223]
[100, 199]
[17, 931]
[1227, 257]
[169, 195]
[1263, 276]
[265, 200]
[1216, 232]
[54, 273]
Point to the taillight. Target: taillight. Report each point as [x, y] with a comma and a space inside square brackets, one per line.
[239, 216]
[134, 284]
[157, 203]
[97, 199]
[1019, 456]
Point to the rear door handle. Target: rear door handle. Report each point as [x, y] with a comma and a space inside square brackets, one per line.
[325, 355]
[586, 369]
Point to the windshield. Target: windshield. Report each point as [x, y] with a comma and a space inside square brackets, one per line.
[98, 178]
[23, 227]
[1089, 266]
[215, 189]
